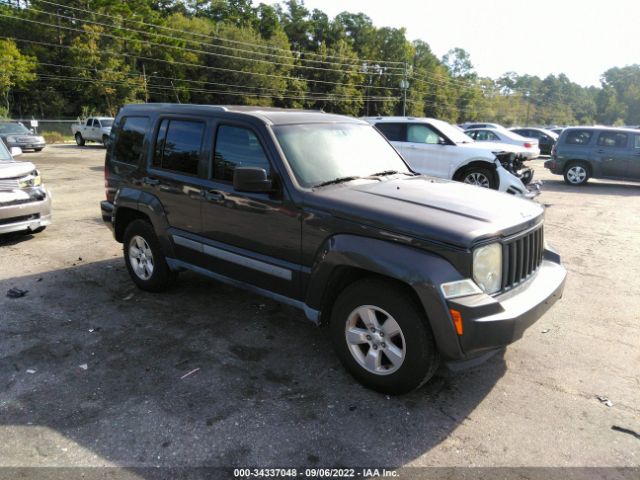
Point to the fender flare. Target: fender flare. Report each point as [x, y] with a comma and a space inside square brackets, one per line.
[421, 271]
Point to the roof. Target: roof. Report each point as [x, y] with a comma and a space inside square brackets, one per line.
[269, 115]
[612, 129]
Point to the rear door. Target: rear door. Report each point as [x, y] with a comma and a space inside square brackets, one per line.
[611, 153]
[177, 174]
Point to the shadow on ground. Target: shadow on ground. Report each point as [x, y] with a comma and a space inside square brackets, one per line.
[265, 387]
[597, 187]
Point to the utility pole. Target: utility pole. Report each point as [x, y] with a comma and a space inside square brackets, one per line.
[526, 122]
[144, 82]
[404, 84]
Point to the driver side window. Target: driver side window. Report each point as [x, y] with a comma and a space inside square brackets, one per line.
[420, 133]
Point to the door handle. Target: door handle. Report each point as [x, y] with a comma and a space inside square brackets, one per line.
[212, 195]
[150, 181]
[600, 151]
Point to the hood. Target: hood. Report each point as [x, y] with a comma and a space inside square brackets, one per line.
[430, 209]
[13, 169]
[493, 147]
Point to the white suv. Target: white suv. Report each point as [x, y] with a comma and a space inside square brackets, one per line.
[439, 149]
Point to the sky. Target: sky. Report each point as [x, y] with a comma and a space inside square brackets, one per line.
[581, 39]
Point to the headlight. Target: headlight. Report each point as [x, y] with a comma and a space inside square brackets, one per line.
[32, 180]
[11, 139]
[487, 267]
[40, 139]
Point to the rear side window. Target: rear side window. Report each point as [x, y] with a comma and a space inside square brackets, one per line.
[129, 144]
[395, 132]
[179, 146]
[237, 147]
[636, 142]
[613, 139]
[578, 137]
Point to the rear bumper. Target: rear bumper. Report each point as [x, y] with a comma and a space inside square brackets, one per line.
[21, 215]
[553, 166]
[491, 323]
[107, 214]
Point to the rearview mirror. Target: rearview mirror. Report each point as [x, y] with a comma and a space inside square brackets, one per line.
[251, 179]
[15, 151]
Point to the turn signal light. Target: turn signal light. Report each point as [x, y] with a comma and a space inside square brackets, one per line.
[527, 145]
[457, 321]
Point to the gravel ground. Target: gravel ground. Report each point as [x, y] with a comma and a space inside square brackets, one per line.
[93, 371]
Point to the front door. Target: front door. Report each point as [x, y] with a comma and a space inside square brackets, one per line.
[251, 237]
[611, 153]
[426, 151]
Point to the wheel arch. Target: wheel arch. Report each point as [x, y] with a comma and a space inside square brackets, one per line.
[490, 165]
[345, 259]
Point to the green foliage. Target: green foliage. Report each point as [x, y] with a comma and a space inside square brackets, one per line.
[94, 57]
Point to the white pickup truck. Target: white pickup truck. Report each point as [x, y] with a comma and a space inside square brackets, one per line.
[94, 129]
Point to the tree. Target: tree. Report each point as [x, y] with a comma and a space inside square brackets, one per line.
[17, 70]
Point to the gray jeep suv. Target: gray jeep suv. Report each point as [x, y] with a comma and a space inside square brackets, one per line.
[598, 152]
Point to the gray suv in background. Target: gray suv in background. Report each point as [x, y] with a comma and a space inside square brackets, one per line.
[596, 152]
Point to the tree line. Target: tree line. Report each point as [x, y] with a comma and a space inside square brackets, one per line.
[62, 59]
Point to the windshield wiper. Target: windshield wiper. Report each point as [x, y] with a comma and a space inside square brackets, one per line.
[389, 172]
[336, 180]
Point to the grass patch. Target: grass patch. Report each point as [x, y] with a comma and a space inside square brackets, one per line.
[56, 137]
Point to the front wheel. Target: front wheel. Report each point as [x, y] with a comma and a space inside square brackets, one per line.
[479, 176]
[382, 337]
[144, 258]
[576, 174]
[79, 139]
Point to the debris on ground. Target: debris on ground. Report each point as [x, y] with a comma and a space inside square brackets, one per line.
[604, 400]
[128, 297]
[39, 280]
[546, 330]
[626, 430]
[16, 293]
[189, 373]
[84, 366]
[31, 371]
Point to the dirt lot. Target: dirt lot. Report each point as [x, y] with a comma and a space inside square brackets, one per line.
[269, 390]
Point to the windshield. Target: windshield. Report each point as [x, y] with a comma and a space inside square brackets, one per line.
[12, 128]
[319, 153]
[106, 122]
[454, 134]
[4, 153]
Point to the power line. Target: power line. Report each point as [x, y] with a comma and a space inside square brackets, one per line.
[207, 67]
[237, 42]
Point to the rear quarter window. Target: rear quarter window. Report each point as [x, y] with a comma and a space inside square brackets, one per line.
[129, 140]
[395, 132]
[578, 137]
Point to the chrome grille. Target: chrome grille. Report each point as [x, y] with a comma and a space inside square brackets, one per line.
[521, 257]
[9, 184]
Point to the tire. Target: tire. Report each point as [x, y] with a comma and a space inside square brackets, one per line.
[79, 140]
[144, 258]
[479, 176]
[576, 173]
[394, 363]
[37, 149]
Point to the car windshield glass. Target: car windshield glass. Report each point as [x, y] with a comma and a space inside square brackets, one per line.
[106, 122]
[4, 153]
[452, 132]
[319, 153]
[12, 128]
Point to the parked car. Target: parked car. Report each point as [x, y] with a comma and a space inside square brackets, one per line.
[531, 148]
[470, 125]
[546, 138]
[557, 130]
[94, 129]
[405, 270]
[436, 148]
[596, 152]
[17, 135]
[25, 203]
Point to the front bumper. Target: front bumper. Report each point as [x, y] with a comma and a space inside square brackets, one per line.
[491, 323]
[27, 145]
[509, 183]
[18, 212]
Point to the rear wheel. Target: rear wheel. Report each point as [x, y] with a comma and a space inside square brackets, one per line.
[382, 337]
[144, 258]
[79, 139]
[576, 173]
[479, 176]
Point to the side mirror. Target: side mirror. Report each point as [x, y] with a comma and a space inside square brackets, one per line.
[32, 130]
[15, 151]
[251, 179]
